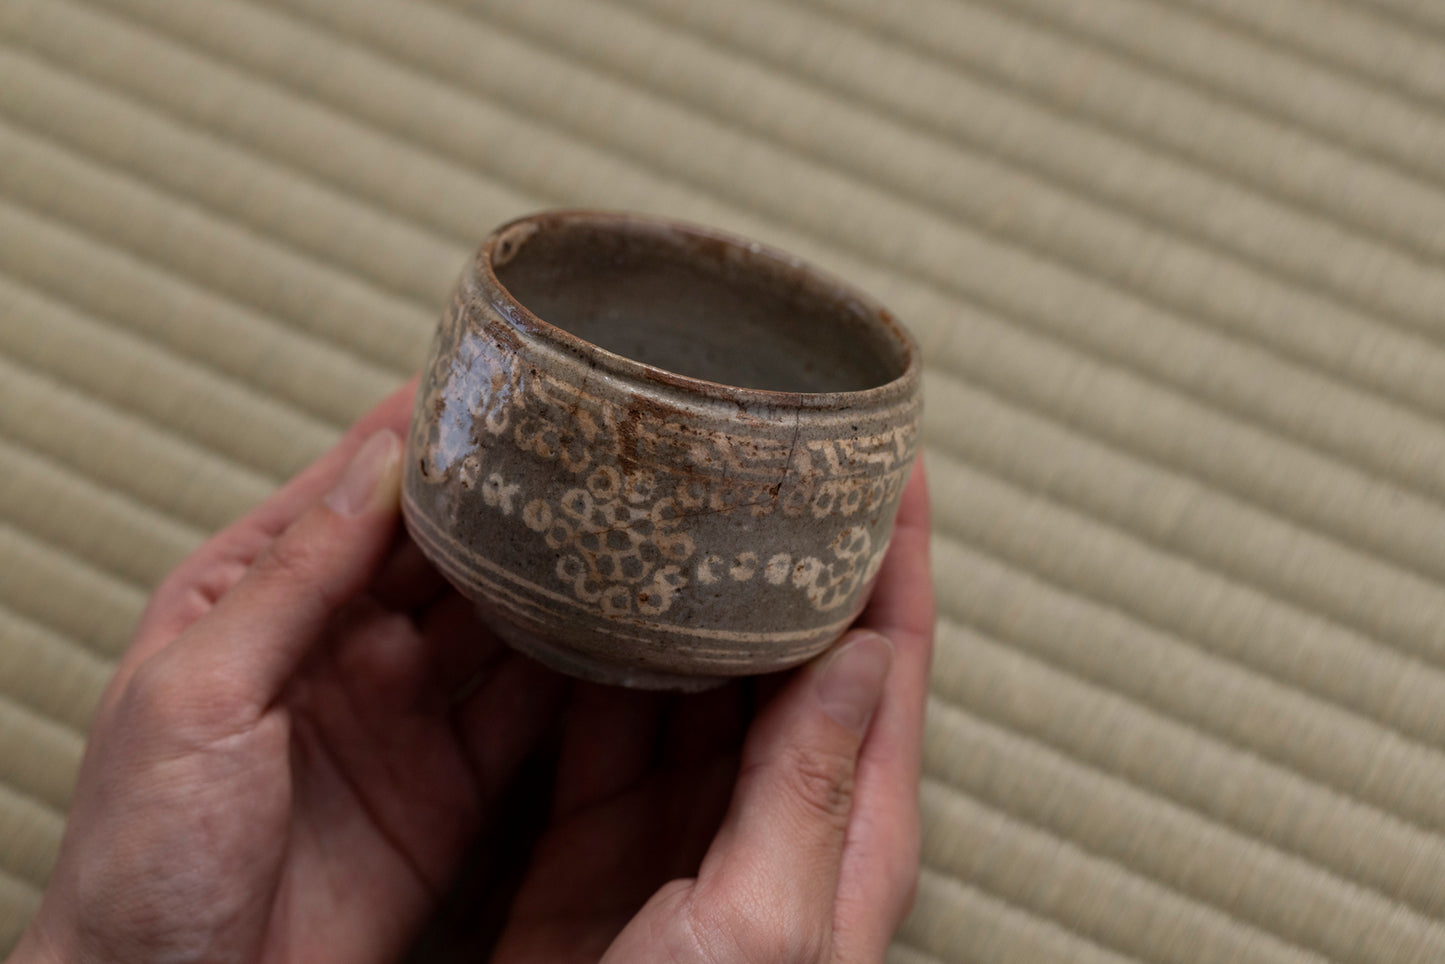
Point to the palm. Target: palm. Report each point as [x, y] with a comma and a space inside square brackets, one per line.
[642, 784]
[356, 791]
[384, 794]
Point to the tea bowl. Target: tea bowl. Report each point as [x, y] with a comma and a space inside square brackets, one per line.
[656, 455]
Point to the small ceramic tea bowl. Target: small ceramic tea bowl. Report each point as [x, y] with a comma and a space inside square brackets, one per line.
[657, 455]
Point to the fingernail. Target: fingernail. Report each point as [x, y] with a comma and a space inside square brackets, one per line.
[851, 682]
[369, 467]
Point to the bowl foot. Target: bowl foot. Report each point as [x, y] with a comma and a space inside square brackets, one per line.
[584, 667]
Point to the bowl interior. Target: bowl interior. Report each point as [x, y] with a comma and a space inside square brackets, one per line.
[698, 305]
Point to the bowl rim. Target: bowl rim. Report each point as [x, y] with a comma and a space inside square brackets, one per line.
[502, 300]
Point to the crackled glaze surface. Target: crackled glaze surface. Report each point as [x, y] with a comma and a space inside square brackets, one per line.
[631, 525]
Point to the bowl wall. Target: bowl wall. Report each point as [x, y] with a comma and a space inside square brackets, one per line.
[631, 525]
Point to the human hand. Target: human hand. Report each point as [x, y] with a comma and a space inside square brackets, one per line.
[278, 770]
[816, 855]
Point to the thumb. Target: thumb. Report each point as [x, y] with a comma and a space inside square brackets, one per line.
[260, 631]
[779, 852]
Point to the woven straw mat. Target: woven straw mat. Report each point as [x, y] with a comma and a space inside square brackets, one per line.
[1176, 266]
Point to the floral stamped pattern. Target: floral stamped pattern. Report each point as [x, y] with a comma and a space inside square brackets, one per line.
[622, 549]
[619, 532]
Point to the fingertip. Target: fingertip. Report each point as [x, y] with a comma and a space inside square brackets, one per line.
[851, 678]
[372, 479]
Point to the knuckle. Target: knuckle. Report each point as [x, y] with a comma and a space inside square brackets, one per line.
[821, 781]
[734, 919]
[291, 558]
[156, 695]
[299, 563]
[189, 593]
[167, 697]
[689, 934]
[795, 939]
[215, 579]
[170, 588]
[737, 930]
[175, 596]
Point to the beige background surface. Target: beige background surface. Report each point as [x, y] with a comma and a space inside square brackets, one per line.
[1176, 265]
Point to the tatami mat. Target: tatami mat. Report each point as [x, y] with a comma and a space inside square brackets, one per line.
[1176, 266]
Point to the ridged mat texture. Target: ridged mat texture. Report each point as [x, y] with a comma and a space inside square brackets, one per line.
[1176, 266]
